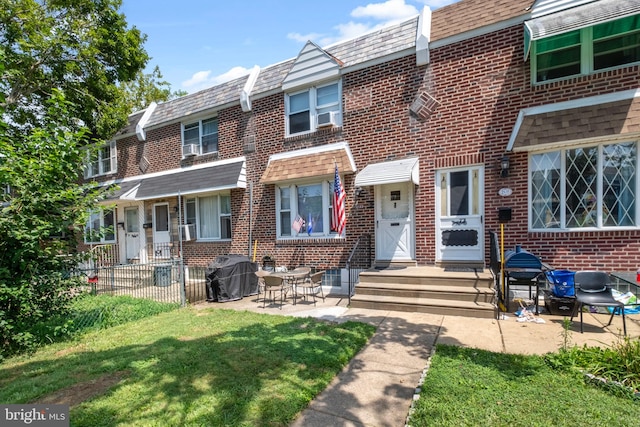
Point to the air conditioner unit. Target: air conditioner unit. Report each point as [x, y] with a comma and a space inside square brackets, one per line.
[188, 232]
[190, 150]
[327, 119]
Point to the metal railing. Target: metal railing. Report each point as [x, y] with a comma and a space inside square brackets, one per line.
[359, 260]
[106, 255]
[163, 281]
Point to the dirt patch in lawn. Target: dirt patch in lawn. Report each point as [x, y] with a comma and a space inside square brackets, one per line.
[80, 392]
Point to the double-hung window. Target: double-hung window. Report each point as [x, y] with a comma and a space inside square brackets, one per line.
[211, 215]
[101, 227]
[200, 137]
[587, 50]
[303, 108]
[592, 187]
[304, 210]
[101, 160]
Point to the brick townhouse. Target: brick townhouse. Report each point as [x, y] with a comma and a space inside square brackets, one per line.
[437, 125]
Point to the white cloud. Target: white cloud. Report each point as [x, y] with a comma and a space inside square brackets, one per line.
[436, 4]
[204, 79]
[365, 18]
[390, 10]
[303, 38]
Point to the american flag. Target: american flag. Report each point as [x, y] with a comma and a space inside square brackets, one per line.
[338, 219]
[298, 223]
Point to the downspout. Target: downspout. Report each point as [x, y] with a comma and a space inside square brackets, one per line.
[250, 217]
[183, 290]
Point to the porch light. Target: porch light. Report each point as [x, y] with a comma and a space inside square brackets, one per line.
[504, 166]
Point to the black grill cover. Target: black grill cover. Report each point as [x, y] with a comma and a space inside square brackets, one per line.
[231, 277]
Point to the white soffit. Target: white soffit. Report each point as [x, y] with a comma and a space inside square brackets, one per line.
[245, 95]
[423, 37]
[140, 133]
[389, 172]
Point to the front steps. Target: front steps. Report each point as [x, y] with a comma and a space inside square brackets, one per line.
[451, 292]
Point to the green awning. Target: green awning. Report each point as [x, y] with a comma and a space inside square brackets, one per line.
[576, 18]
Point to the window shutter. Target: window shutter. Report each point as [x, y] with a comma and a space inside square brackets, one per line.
[114, 156]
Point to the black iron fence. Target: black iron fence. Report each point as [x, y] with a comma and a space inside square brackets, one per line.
[164, 281]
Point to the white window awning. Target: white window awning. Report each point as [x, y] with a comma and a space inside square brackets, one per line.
[389, 172]
[576, 18]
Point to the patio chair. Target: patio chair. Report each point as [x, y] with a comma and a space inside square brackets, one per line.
[273, 284]
[592, 289]
[261, 274]
[312, 286]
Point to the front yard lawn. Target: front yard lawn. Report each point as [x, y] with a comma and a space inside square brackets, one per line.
[187, 367]
[470, 387]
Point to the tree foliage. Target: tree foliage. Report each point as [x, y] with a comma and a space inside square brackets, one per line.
[40, 222]
[62, 64]
[147, 88]
[83, 48]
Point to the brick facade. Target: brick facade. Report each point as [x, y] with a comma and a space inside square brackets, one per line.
[458, 110]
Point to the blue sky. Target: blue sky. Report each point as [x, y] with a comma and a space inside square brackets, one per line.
[198, 43]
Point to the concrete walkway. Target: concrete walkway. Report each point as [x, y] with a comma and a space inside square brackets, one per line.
[378, 386]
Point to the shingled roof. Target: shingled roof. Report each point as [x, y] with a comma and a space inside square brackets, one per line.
[394, 40]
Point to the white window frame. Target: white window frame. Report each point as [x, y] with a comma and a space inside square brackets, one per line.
[200, 127]
[586, 57]
[220, 216]
[111, 160]
[327, 210]
[99, 216]
[314, 108]
[562, 199]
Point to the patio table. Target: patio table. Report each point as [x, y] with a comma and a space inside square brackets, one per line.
[294, 277]
[623, 282]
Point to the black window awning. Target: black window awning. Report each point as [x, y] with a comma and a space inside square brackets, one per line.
[212, 177]
[124, 190]
[220, 176]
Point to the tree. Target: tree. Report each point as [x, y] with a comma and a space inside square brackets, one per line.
[40, 222]
[81, 47]
[61, 66]
[148, 88]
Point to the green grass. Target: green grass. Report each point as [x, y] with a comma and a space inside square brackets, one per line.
[186, 367]
[93, 312]
[470, 387]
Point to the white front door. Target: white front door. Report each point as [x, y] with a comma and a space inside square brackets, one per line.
[394, 222]
[132, 233]
[161, 231]
[459, 215]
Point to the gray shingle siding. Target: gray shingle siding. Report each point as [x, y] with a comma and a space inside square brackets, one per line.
[375, 45]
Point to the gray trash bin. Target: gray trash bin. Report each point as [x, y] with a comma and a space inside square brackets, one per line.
[162, 275]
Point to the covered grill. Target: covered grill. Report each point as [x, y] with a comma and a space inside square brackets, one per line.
[231, 277]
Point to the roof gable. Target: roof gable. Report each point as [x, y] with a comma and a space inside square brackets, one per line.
[312, 65]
